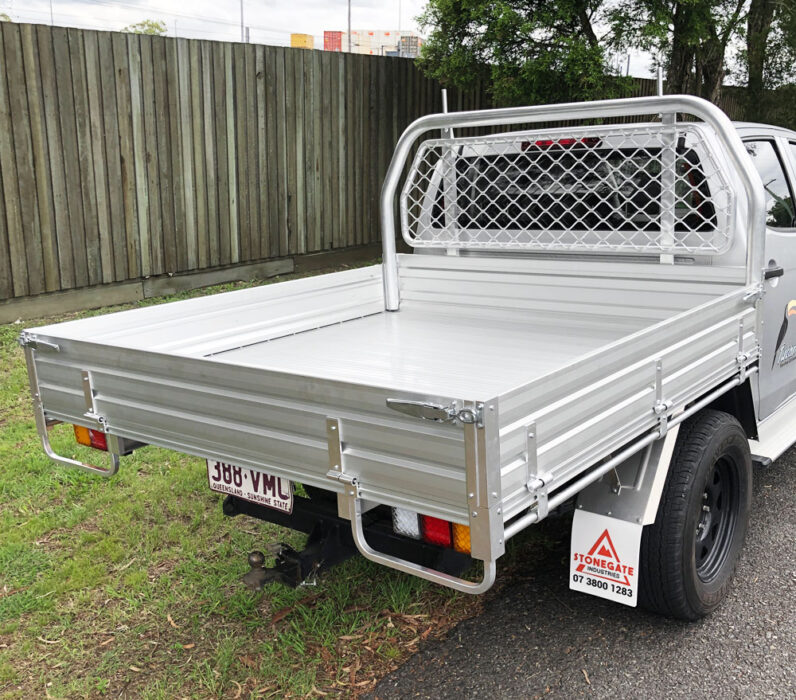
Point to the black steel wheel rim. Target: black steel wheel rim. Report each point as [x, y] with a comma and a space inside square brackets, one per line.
[717, 519]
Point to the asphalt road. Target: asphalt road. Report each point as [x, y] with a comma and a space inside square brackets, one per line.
[538, 639]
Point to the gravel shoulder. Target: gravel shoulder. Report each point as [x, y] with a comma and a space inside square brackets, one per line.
[538, 639]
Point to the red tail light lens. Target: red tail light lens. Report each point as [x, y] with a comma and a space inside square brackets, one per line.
[91, 438]
[98, 440]
[436, 531]
[560, 143]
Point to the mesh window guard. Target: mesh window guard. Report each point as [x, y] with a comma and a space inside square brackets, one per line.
[646, 188]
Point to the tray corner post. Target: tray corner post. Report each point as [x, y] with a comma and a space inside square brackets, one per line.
[482, 481]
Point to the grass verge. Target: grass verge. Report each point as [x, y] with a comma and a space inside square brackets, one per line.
[130, 587]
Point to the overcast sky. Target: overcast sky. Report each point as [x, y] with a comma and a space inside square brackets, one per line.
[220, 19]
[270, 21]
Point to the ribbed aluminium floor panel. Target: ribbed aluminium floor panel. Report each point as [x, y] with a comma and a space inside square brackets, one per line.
[446, 353]
[472, 328]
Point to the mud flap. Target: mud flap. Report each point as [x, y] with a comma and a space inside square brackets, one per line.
[604, 555]
[610, 516]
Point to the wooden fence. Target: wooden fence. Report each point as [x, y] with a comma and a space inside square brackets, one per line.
[125, 156]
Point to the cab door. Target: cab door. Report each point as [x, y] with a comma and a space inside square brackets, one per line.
[775, 160]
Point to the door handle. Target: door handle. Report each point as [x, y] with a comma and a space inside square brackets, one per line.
[773, 271]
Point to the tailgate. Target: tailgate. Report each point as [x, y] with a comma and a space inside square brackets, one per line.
[267, 420]
[180, 376]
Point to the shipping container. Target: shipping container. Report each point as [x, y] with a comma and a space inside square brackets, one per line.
[375, 42]
[302, 41]
[332, 41]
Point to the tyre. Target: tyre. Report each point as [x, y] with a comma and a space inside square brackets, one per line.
[689, 555]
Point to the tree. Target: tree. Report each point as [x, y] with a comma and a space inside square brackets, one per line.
[691, 37]
[529, 51]
[5, 18]
[148, 26]
[760, 19]
[770, 51]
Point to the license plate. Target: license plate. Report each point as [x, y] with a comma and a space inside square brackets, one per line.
[251, 485]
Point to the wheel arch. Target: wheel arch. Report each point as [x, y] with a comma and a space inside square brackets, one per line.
[739, 403]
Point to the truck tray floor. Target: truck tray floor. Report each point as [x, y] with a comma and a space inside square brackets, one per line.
[420, 347]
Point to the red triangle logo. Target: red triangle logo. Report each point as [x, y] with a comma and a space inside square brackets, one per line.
[604, 548]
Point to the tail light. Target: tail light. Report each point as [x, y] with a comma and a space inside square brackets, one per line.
[560, 143]
[432, 530]
[91, 438]
[461, 538]
[436, 531]
[406, 522]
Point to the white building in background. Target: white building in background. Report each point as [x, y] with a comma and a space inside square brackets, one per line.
[375, 42]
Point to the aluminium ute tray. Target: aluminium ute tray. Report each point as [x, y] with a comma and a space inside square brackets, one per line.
[251, 376]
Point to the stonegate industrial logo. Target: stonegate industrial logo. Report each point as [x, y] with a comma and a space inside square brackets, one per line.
[602, 561]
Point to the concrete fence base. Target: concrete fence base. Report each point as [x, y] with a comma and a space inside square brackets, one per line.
[48, 305]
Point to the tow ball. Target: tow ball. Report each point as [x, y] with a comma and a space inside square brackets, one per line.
[325, 548]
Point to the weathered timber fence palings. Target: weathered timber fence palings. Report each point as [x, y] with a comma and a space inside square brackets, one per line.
[124, 156]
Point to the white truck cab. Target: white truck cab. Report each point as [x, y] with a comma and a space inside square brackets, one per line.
[773, 153]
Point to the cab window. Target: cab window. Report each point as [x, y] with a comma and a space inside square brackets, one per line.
[779, 199]
[792, 146]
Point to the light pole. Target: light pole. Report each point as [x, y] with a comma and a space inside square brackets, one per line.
[242, 33]
[349, 26]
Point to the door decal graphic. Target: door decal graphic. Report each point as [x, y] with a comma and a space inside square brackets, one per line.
[790, 310]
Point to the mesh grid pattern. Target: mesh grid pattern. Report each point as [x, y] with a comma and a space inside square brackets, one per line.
[649, 188]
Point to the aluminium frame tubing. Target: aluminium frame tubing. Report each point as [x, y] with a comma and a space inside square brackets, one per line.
[41, 428]
[635, 106]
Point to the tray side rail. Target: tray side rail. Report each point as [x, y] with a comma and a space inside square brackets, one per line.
[218, 323]
[556, 428]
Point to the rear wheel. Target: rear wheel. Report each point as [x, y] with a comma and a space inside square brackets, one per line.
[689, 555]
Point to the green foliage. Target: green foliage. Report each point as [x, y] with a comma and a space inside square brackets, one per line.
[691, 38]
[152, 27]
[528, 51]
[782, 212]
[768, 59]
[779, 67]
[5, 18]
